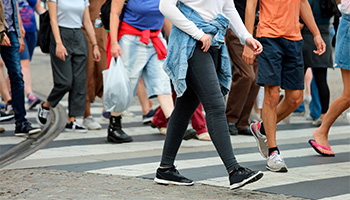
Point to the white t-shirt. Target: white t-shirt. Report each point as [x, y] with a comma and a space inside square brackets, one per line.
[70, 12]
[208, 10]
[345, 6]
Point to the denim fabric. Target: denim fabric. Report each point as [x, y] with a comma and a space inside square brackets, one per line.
[315, 104]
[12, 22]
[30, 40]
[181, 47]
[10, 55]
[141, 60]
[342, 47]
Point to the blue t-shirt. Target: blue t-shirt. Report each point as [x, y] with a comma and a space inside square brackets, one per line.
[144, 14]
[26, 10]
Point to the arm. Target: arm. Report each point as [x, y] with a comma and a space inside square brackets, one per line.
[116, 9]
[172, 13]
[91, 33]
[22, 31]
[167, 26]
[38, 8]
[308, 18]
[61, 51]
[248, 55]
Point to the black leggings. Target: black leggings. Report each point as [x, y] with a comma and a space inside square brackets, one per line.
[320, 76]
[202, 86]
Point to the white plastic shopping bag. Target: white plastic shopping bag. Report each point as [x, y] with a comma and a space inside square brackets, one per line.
[117, 91]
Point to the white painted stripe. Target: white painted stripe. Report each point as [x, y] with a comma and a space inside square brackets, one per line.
[340, 197]
[294, 175]
[147, 168]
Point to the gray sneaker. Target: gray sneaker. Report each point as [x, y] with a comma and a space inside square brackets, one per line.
[276, 163]
[260, 138]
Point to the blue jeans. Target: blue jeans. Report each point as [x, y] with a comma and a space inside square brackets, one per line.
[11, 58]
[315, 104]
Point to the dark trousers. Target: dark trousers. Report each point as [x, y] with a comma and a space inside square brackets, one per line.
[243, 89]
[202, 86]
[10, 55]
[70, 75]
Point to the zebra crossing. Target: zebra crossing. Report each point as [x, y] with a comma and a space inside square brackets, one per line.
[309, 176]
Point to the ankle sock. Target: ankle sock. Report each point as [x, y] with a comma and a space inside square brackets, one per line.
[273, 149]
[262, 129]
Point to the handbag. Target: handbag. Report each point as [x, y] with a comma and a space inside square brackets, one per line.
[117, 92]
[44, 32]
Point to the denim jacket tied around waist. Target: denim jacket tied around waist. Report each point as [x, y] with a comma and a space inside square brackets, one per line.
[181, 47]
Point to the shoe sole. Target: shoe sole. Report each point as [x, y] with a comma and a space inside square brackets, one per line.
[119, 141]
[75, 130]
[7, 118]
[33, 104]
[167, 182]
[249, 180]
[147, 120]
[282, 169]
[257, 140]
[29, 133]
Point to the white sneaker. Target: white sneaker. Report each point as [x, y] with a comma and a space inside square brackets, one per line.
[317, 122]
[127, 113]
[91, 124]
[276, 163]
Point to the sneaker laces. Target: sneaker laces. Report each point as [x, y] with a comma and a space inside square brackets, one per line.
[276, 157]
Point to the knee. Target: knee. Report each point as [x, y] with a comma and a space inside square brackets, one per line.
[294, 102]
[271, 97]
[64, 86]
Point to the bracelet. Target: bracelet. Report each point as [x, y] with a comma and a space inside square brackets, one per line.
[94, 45]
[114, 43]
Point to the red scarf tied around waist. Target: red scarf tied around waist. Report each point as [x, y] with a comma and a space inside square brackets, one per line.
[146, 35]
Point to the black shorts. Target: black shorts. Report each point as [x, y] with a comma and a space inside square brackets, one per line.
[281, 63]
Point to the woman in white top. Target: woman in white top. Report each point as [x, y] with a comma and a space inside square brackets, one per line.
[199, 68]
[68, 52]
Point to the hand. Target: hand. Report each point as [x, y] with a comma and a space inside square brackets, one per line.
[254, 45]
[61, 52]
[6, 41]
[248, 55]
[21, 45]
[206, 41]
[320, 45]
[96, 54]
[115, 50]
[22, 32]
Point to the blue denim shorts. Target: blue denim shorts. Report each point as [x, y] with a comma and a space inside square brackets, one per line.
[281, 63]
[30, 40]
[140, 60]
[342, 46]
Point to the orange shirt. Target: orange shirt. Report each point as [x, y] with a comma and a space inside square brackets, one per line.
[279, 18]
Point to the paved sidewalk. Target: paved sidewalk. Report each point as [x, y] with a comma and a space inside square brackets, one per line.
[52, 184]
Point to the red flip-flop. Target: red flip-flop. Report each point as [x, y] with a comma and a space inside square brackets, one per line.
[314, 145]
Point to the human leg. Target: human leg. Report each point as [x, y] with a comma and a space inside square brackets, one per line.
[338, 106]
[320, 76]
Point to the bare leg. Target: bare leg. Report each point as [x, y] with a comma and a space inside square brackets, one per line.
[292, 100]
[26, 76]
[146, 104]
[269, 113]
[5, 94]
[338, 106]
[87, 109]
[167, 104]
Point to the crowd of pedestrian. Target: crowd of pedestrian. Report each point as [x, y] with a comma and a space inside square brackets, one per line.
[190, 54]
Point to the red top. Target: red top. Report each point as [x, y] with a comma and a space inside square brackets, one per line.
[146, 35]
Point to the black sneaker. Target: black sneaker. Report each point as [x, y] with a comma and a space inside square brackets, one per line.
[75, 127]
[43, 114]
[117, 135]
[148, 117]
[5, 117]
[243, 176]
[171, 176]
[25, 128]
